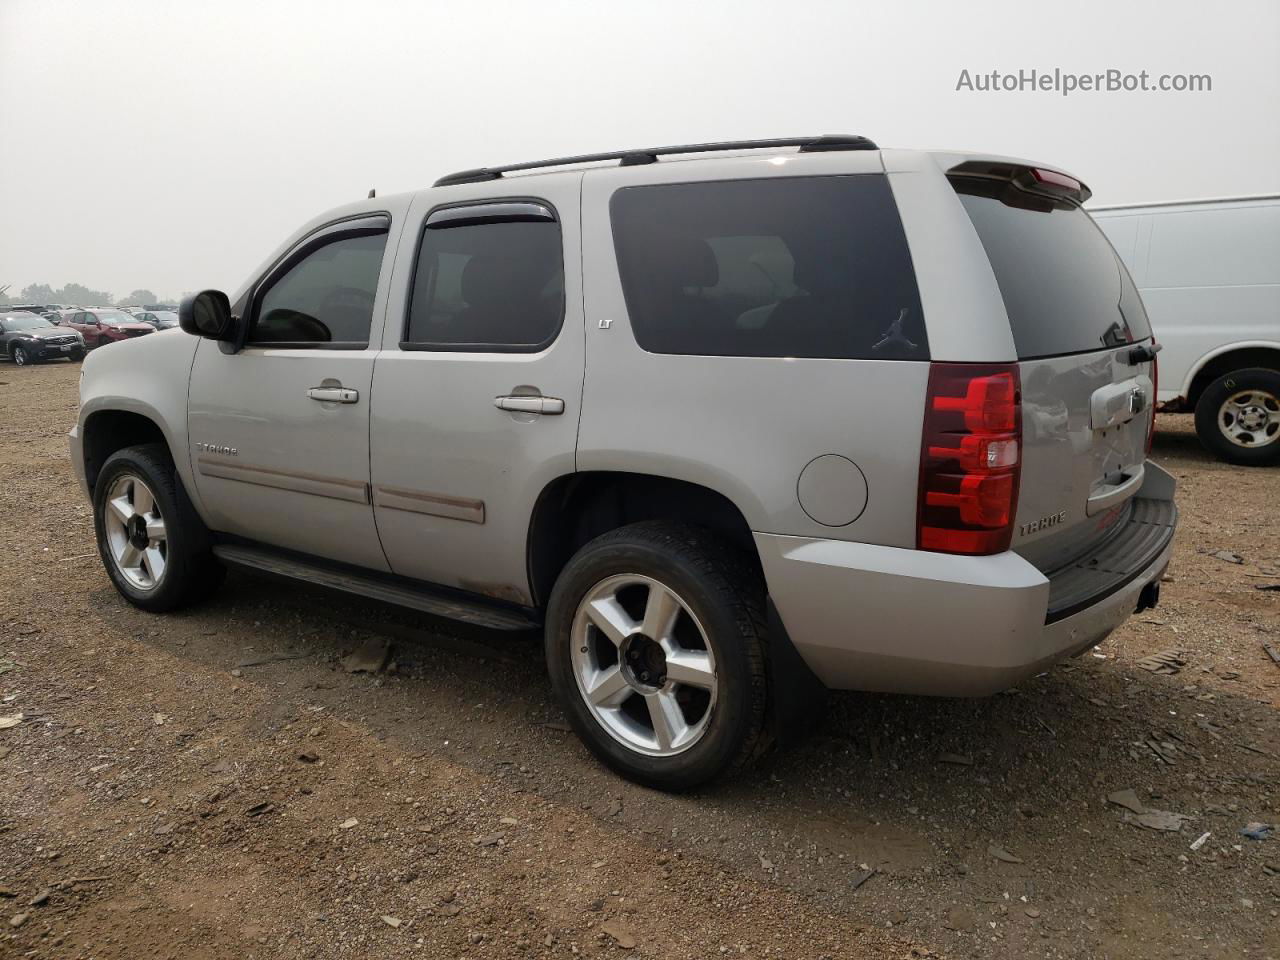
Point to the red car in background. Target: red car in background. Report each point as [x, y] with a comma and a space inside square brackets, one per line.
[99, 326]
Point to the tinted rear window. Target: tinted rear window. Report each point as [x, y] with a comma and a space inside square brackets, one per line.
[1064, 288]
[787, 267]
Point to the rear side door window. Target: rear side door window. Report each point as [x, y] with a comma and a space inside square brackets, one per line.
[322, 295]
[489, 278]
[783, 267]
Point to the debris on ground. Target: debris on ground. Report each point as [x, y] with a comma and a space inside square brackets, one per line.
[10, 721]
[1163, 820]
[1000, 853]
[370, 657]
[348, 823]
[959, 759]
[859, 878]
[1200, 841]
[1271, 652]
[1127, 799]
[390, 921]
[620, 934]
[1165, 751]
[960, 918]
[273, 658]
[1166, 661]
[1256, 831]
[1229, 556]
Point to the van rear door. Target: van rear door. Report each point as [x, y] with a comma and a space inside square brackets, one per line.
[1084, 355]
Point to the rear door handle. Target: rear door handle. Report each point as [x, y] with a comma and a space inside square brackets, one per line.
[334, 394]
[551, 406]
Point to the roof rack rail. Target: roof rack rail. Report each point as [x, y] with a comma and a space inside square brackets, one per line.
[628, 158]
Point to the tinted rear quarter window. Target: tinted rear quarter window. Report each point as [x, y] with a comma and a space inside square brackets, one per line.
[783, 267]
[1064, 288]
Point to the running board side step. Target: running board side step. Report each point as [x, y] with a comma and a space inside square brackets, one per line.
[437, 603]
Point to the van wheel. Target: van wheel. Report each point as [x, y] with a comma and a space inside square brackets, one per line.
[1238, 417]
[154, 546]
[655, 641]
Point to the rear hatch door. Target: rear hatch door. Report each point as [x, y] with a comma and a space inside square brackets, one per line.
[1084, 354]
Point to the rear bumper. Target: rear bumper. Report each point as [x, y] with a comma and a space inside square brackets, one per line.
[867, 617]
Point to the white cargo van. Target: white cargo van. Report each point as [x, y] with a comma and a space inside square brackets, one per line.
[1209, 274]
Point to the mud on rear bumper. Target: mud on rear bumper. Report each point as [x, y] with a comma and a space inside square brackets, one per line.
[867, 617]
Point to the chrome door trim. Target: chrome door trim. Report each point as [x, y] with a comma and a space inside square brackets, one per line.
[432, 504]
[320, 486]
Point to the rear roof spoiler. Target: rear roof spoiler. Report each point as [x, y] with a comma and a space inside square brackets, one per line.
[1028, 177]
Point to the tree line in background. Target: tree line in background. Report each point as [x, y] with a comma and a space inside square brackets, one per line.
[75, 293]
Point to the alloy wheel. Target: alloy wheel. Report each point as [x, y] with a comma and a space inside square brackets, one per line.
[135, 531]
[643, 665]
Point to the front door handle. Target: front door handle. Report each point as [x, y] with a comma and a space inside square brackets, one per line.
[334, 394]
[551, 406]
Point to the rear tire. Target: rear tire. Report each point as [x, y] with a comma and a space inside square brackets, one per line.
[155, 547]
[21, 357]
[1238, 417]
[703, 602]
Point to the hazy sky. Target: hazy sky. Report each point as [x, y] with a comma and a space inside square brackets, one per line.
[173, 145]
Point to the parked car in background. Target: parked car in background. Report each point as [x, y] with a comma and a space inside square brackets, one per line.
[1209, 274]
[723, 427]
[28, 338]
[100, 326]
[160, 319]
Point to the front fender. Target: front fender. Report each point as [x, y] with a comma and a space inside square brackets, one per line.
[149, 377]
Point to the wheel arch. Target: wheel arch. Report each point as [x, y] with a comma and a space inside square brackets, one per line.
[1224, 359]
[575, 508]
[105, 431]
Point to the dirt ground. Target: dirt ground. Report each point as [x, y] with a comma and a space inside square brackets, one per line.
[215, 784]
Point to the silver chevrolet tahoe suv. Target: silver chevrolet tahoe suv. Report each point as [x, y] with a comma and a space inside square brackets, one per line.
[730, 423]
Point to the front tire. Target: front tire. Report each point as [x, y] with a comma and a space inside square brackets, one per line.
[154, 546]
[655, 642]
[1238, 417]
[21, 357]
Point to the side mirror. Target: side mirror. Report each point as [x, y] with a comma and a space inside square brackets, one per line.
[207, 314]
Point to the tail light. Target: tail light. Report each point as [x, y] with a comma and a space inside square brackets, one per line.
[970, 458]
[1155, 399]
